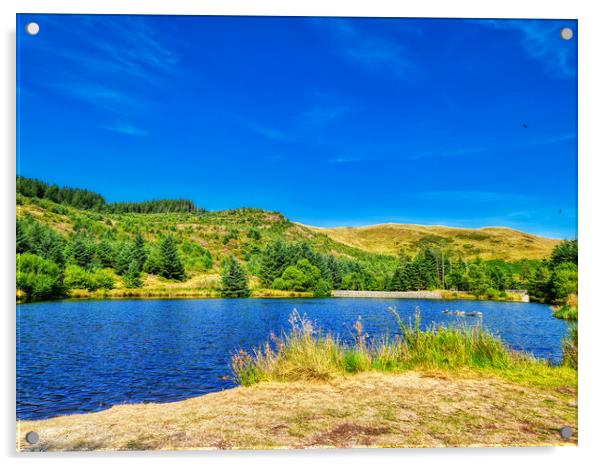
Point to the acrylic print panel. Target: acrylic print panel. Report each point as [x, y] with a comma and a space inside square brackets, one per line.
[369, 224]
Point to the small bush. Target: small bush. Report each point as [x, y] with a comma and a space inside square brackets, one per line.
[78, 278]
[279, 284]
[103, 279]
[566, 312]
[356, 361]
[38, 278]
[322, 288]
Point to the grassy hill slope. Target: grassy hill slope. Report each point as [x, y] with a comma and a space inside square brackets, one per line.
[230, 232]
[91, 250]
[226, 232]
[487, 243]
[241, 233]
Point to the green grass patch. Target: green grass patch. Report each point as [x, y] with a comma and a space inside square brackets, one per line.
[566, 312]
[570, 347]
[306, 353]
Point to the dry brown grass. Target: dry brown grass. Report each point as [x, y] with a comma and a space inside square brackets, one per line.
[572, 300]
[488, 243]
[370, 409]
[173, 291]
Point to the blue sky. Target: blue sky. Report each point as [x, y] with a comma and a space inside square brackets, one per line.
[332, 121]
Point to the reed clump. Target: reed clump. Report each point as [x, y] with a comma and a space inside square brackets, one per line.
[570, 347]
[569, 310]
[306, 353]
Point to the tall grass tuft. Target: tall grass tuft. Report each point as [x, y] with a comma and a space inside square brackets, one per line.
[566, 312]
[450, 347]
[305, 353]
[570, 353]
[569, 310]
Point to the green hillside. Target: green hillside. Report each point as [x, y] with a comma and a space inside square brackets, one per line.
[71, 242]
[204, 238]
[238, 232]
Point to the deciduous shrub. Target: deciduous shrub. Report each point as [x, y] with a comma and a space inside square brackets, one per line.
[77, 277]
[39, 278]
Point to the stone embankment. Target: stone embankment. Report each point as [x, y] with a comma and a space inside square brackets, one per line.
[386, 294]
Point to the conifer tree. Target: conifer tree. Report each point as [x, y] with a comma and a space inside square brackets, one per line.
[139, 251]
[395, 283]
[566, 251]
[81, 251]
[154, 261]
[125, 256]
[171, 265]
[234, 279]
[273, 261]
[333, 272]
[53, 245]
[22, 242]
[105, 254]
[131, 279]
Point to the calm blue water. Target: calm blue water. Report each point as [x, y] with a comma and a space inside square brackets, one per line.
[81, 356]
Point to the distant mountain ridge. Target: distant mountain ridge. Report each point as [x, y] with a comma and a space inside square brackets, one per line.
[487, 242]
[223, 232]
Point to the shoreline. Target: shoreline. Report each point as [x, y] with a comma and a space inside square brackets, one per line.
[417, 408]
[203, 293]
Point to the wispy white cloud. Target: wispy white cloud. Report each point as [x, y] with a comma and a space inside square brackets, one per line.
[345, 159]
[496, 148]
[262, 129]
[106, 71]
[319, 114]
[254, 125]
[133, 47]
[92, 93]
[468, 195]
[541, 41]
[370, 50]
[126, 128]
[128, 46]
[391, 153]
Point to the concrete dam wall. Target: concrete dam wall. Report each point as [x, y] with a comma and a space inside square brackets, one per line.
[386, 294]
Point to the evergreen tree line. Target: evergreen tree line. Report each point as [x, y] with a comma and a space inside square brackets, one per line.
[152, 207]
[432, 269]
[297, 266]
[554, 279]
[551, 280]
[88, 200]
[48, 264]
[74, 197]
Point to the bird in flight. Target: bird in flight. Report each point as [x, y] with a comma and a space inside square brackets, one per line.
[560, 211]
[525, 125]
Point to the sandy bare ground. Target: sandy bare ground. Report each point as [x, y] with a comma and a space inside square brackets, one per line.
[366, 410]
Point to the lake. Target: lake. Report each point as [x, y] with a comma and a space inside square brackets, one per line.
[83, 356]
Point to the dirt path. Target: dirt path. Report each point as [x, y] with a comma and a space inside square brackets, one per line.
[370, 409]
